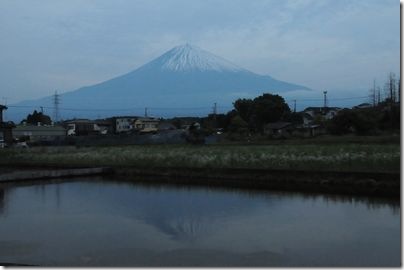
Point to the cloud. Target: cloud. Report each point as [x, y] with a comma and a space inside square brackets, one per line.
[322, 44]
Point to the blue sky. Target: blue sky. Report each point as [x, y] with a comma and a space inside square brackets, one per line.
[339, 46]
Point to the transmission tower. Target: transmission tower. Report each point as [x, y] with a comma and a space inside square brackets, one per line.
[325, 99]
[56, 102]
[214, 111]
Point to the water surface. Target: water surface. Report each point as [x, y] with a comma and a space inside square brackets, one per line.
[94, 222]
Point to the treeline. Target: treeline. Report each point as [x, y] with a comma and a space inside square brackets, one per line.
[390, 92]
[382, 118]
[383, 115]
[249, 116]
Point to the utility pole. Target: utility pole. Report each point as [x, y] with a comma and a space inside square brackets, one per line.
[294, 106]
[41, 109]
[214, 108]
[56, 102]
[325, 99]
[214, 114]
[373, 94]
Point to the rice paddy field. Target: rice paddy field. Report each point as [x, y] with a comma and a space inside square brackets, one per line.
[324, 157]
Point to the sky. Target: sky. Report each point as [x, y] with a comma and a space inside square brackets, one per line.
[339, 46]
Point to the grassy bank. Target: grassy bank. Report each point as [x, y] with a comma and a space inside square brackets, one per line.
[341, 157]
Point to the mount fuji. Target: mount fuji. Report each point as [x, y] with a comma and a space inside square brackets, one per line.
[185, 80]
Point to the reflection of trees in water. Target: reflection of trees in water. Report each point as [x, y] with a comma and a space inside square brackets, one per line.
[2, 200]
[5, 192]
[372, 203]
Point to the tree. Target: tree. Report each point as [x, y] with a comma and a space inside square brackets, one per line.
[238, 125]
[373, 94]
[262, 110]
[268, 108]
[360, 121]
[244, 108]
[37, 117]
[294, 117]
[391, 88]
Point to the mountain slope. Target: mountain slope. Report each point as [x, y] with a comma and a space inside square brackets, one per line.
[183, 78]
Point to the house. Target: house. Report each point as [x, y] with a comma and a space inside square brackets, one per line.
[310, 114]
[122, 124]
[104, 126]
[279, 129]
[6, 128]
[305, 131]
[146, 124]
[40, 133]
[81, 127]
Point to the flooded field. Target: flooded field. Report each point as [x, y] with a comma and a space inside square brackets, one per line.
[106, 222]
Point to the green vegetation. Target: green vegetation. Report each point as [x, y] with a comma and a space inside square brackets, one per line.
[326, 157]
[37, 117]
[368, 121]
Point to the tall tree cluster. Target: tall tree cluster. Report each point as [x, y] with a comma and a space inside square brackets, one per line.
[37, 117]
[258, 112]
[392, 91]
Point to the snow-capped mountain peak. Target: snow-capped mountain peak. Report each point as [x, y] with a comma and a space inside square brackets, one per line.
[191, 58]
[183, 77]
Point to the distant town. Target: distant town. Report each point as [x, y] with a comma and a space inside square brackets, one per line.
[266, 117]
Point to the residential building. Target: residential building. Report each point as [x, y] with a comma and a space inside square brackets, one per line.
[104, 126]
[279, 129]
[310, 114]
[122, 124]
[81, 127]
[40, 133]
[146, 124]
[6, 128]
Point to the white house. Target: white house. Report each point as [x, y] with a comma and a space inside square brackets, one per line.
[124, 123]
[311, 113]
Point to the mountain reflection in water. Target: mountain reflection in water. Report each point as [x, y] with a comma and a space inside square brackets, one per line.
[97, 222]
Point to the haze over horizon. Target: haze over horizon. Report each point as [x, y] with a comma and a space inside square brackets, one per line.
[338, 46]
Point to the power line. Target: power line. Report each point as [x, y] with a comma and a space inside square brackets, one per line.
[332, 99]
[56, 101]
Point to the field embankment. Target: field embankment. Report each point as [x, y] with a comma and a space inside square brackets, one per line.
[367, 169]
[339, 158]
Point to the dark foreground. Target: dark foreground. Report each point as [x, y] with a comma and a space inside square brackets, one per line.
[352, 183]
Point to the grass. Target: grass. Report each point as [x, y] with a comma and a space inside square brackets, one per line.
[332, 157]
